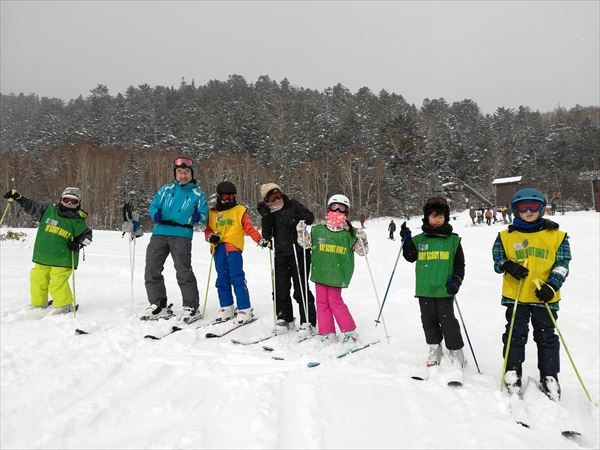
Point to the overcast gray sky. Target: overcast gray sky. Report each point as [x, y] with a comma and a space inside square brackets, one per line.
[540, 54]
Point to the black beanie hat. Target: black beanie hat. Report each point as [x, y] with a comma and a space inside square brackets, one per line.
[226, 187]
[438, 204]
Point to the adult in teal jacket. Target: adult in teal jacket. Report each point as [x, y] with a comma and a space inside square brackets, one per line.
[176, 208]
[62, 231]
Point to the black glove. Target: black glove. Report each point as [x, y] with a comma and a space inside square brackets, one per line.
[263, 209]
[405, 232]
[264, 243]
[453, 285]
[515, 270]
[546, 292]
[214, 239]
[12, 194]
[73, 245]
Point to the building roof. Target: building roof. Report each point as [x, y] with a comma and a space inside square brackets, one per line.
[507, 180]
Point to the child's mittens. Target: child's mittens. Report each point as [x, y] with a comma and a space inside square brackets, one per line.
[303, 235]
[214, 239]
[405, 233]
[515, 270]
[546, 292]
[453, 285]
[362, 244]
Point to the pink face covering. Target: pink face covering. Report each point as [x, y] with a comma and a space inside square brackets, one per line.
[336, 219]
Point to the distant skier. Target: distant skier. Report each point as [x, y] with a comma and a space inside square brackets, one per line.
[392, 230]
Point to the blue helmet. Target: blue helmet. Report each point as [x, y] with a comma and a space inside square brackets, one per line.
[528, 194]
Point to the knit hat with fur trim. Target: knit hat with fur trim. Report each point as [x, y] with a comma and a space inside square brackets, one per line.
[266, 188]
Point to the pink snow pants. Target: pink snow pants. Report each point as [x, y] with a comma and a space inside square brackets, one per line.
[330, 306]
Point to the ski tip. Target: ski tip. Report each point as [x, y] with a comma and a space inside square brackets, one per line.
[455, 384]
[211, 335]
[313, 364]
[267, 348]
[80, 331]
[523, 424]
[417, 377]
[175, 329]
[277, 358]
[570, 434]
[149, 336]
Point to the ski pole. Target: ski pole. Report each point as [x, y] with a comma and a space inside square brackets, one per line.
[466, 333]
[587, 394]
[389, 283]
[510, 331]
[74, 302]
[300, 282]
[306, 314]
[212, 258]
[273, 284]
[131, 268]
[10, 200]
[387, 337]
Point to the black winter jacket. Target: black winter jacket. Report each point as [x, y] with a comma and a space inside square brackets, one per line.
[281, 225]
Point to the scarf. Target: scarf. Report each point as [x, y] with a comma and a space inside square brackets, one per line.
[336, 220]
[276, 205]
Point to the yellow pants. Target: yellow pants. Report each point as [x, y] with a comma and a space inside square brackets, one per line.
[53, 280]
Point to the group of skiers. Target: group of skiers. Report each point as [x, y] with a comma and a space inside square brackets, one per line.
[532, 254]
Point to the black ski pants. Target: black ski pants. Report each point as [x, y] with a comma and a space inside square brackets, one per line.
[437, 317]
[548, 344]
[286, 274]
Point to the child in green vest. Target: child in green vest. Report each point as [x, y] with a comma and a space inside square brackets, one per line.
[62, 231]
[439, 269]
[333, 246]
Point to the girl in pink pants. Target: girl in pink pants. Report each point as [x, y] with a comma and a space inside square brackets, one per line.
[333, 246]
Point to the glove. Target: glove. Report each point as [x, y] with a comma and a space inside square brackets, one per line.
[453, 285]
[515, 270]
[360, 234]
[158, 217]
[405, 233]
[73, 245]
[214, 239]
[12, 194]
[196, 217]
[301, 227]
[545, 293]
[264, 243]
[263, 209]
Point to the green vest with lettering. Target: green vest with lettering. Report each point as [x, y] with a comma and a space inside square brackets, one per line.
[332, 256]
[435, 264]
[54, 231]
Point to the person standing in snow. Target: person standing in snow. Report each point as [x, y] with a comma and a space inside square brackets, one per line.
[175, 209]
[279, 216]
[534, 255]
[439, 270]
[333, 245]
[392, 230]
[62, 231]
[228, 224]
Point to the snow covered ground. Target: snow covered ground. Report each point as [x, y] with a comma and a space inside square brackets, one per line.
[115, 389]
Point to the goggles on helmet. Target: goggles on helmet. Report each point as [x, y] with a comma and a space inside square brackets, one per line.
[274, 195]
[526, 205]
[183, 162]
[70, 201]
[340, 207]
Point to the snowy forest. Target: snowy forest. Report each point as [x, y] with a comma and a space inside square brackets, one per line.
[385, 154]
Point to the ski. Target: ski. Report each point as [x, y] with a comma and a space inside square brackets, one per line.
[255, 340]
[345, 353]
[184, 326]
[455, 383]
[425, 375]
[230, 329]
[517, 405]
[80, 331]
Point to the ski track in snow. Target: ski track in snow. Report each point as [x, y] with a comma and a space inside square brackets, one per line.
[115, 389]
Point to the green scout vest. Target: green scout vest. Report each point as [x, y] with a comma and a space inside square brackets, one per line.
[54, 231]
[435, 264]
[332, 256]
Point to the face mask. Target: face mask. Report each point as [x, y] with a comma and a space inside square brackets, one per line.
[336, 219]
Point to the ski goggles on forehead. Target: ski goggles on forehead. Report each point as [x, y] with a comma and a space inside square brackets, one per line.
[339, 207]
[187, 162]
[528, 206]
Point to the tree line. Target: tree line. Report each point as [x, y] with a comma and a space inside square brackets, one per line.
[385, 154]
